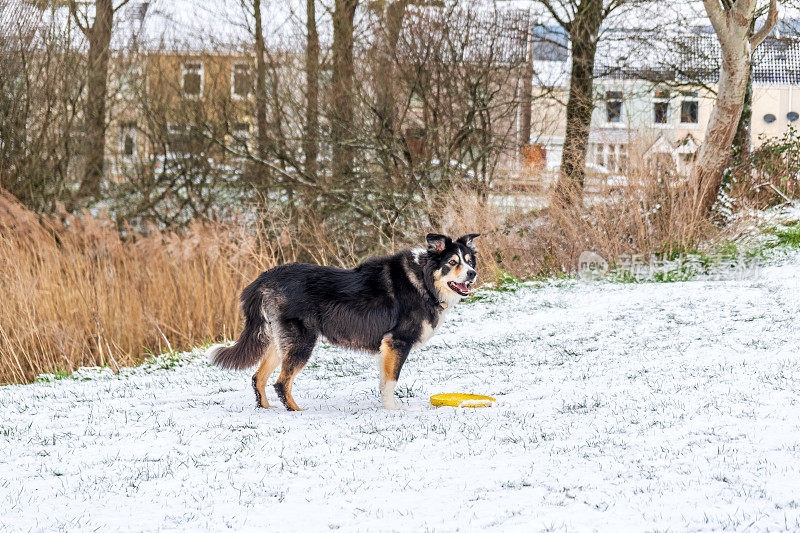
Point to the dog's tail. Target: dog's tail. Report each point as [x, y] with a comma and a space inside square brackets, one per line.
[254, 339]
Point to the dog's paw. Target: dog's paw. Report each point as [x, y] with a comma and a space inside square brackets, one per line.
[393, 406]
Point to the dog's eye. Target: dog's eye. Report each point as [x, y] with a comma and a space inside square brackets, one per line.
[452, 262]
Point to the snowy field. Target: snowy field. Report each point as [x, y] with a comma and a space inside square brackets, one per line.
[620, 407]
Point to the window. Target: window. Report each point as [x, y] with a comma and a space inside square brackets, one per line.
[613, 106]
[660, 112]
[241, 130]
[689, 108]
[613, 157]
[192, 78]
[661, 107]
[241, 80]
[177, 138]
[185, 139]
[689, 112]
[127, 140]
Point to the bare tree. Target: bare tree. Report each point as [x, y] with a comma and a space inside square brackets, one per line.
[262, 125]
[732, 22]
[41, 84]
[384, 59]
[458, 77]
[98, 33]
[444, 114]
[526, 98]
[187, 167]
[342, 101]
[582, 20]
[311, 130]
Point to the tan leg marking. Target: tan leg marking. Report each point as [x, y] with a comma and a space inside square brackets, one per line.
[284, 383]
[389, 362]
[268, 364]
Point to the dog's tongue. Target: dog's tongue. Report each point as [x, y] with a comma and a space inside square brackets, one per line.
[462, 287]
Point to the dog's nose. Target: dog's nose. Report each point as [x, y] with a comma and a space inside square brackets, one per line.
[471, 275]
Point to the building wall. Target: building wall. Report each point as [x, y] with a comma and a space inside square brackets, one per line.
[777, 100]
[637, 115]
[153, 95]
[548, 124]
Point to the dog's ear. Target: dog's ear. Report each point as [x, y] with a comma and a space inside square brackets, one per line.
[466, 240]
[437, 243]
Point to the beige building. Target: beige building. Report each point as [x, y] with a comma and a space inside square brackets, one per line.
[646, 110]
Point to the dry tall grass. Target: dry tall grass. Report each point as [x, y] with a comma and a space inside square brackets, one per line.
[642, 216]
[75, 293]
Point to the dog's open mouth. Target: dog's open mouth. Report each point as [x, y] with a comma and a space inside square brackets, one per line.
[459, 288]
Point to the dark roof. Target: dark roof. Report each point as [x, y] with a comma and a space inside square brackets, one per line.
[777, 60]
[468, 34]
[694, 58]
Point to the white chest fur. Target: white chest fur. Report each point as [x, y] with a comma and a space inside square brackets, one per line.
[429, 329]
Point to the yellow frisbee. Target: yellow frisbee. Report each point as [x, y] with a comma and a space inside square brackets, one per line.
[461, 400]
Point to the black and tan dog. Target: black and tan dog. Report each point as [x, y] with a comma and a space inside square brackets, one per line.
[386, 305]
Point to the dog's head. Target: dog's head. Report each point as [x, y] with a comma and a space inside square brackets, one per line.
[452, 265]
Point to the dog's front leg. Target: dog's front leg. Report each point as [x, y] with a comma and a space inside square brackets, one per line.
[394, 352]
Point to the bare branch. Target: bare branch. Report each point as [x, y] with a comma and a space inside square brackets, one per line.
[561, 22]
[82, 25]
[716, 14]
[766, 28]
[121, 4]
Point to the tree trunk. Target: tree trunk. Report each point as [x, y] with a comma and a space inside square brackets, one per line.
[714, 153]
[741, 139]
[341, 113]
[311, 133]
[99, 37]
[583, 31]
[262, 125]
[392, 24]
[383, 60]
[733, 28]
[526, 100]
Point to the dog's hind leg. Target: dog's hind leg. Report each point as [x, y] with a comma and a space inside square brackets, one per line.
[297, 343]
[394, 352]
[269, 363]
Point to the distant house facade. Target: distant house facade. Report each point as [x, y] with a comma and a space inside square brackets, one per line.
[184, 86]
[653, 101]
[182, 77]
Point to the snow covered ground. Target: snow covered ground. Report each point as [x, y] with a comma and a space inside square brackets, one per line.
[620, 407]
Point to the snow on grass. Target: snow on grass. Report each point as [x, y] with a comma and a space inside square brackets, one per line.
[619, 407]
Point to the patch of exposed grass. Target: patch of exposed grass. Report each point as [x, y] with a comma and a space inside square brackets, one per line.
[788, 236]
[58, 374]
